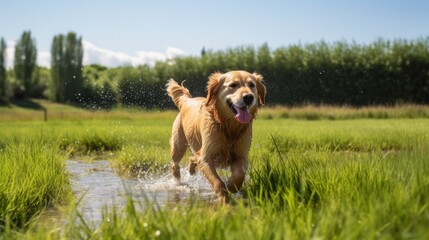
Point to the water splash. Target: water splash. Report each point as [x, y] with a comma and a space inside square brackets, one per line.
[165, 189]
[98, 186]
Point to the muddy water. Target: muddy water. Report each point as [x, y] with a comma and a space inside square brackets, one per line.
[98, 186]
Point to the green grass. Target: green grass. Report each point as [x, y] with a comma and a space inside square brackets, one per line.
[33, 177]
[326, 112]
[349, 194]
[32, 110]
[354, 197]
[343, 179]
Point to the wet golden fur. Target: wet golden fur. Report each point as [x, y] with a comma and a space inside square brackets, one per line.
[208, 126]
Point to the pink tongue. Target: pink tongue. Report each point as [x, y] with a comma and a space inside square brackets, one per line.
[243, 115]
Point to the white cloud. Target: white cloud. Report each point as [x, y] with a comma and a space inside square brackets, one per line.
[44, 59]
[97, 55]
[174, 52]
[10, 53]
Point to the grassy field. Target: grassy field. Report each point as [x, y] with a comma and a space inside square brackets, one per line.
[34, 111]
[343, 175]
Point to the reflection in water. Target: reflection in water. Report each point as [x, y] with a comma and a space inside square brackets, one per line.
[98, 186]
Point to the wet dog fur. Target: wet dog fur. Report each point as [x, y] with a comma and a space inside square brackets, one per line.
[218, 128]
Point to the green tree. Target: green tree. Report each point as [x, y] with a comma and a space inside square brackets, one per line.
[74, 67]
[3, 72]
[25, 64]
[42, 79]
[57, 69]
[67, 67]
[384, 72]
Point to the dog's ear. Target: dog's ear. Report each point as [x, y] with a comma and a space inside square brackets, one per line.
[213, 86]
[260, 86]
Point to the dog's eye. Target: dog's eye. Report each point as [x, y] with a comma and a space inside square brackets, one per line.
[232, 85]
[251, 85]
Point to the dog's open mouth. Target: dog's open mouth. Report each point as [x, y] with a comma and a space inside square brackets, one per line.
[241, 114]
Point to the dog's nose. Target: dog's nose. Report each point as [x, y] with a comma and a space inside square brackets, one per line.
[248, 98]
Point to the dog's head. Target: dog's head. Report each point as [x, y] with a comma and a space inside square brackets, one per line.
[237, 94]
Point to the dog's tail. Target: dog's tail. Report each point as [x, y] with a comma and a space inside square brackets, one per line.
[177, 92]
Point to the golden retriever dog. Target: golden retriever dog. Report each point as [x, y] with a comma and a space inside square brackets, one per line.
[217, 129]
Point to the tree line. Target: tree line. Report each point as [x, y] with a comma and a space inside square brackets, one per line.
[61, 83]
[382, 72]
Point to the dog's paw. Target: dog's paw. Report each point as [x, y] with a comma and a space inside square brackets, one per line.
[223, 199]
[192, 167]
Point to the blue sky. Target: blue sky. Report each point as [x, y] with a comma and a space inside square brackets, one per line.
[145, 30]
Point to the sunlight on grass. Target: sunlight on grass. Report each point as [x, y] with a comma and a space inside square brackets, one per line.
[33, 177]
[344, 179]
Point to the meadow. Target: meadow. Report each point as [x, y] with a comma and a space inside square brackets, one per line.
[315, 173]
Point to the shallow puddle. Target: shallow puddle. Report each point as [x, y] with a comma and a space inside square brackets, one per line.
[99, 186]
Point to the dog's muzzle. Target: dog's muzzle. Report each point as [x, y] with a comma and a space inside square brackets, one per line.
[242, 114]
[248, 99]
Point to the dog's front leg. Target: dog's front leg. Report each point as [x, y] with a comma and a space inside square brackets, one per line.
[238, 173]
[192, 164]
[209, 171]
